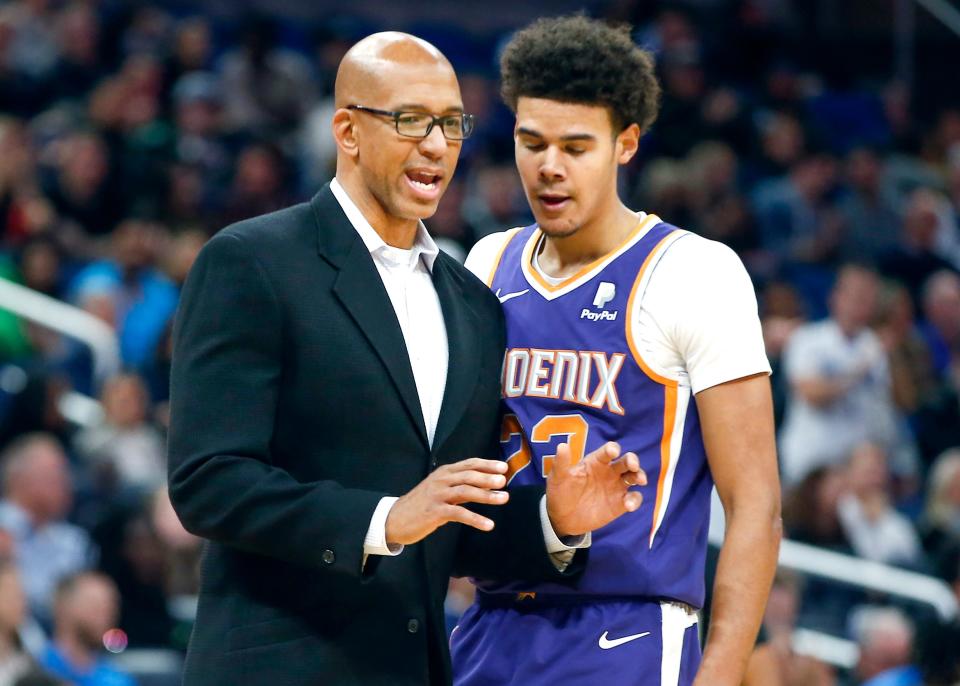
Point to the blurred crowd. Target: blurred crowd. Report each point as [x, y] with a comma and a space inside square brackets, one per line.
[131, 132]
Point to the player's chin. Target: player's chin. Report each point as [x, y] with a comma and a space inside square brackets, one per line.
[558, 227]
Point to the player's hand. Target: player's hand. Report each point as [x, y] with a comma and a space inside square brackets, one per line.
[438, 499]
[592, 493]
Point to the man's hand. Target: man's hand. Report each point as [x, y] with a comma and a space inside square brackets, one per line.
[437, 500]
[592, 493]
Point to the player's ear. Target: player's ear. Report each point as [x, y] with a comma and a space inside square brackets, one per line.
[345, 132]
[628, 142]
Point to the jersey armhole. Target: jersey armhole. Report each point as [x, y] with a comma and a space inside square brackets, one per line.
[640, 284]
[510, 235]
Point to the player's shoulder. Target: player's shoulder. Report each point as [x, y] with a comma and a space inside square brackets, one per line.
[690, 258]
[486, 252]
[695, 250]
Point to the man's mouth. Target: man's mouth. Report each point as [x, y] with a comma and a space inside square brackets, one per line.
[425, 181]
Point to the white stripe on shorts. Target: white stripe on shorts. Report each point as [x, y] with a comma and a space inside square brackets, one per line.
[675, 621]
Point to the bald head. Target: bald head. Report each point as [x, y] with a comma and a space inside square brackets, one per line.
[368, 63]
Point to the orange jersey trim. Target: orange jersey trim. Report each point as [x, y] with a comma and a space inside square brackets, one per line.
[669, 423]
[669, 389]
[646, 222]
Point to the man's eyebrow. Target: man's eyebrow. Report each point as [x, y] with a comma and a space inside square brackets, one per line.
[523, 131]
[420, 107]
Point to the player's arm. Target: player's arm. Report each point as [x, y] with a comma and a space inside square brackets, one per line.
[701, 297]
[763, 668]
[737, 424]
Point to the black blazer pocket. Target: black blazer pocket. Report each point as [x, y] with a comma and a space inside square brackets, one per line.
[267, 633]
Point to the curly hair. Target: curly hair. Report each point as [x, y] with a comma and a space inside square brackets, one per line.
[580, 60]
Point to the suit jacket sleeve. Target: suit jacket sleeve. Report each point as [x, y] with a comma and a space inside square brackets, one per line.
[227, 365]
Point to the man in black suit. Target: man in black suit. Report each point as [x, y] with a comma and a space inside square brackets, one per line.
[331, 372]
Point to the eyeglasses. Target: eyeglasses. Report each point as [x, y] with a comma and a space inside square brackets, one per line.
[455, 127]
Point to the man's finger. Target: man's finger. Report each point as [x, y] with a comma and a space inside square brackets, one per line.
[456, 513]
[472, 477]
[471, 494]
[478, 464]
[632, 501]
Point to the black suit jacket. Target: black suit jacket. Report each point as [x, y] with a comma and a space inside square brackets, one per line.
[293, 412]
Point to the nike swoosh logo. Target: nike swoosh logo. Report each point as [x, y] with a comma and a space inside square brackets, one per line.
[607, 644]
[508, 296]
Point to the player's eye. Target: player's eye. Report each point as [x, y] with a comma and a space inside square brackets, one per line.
[576, 151]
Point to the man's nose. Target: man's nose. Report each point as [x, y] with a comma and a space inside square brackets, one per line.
[434, 144]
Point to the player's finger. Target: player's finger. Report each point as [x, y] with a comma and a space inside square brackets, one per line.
[471, 494]
[474, 478]
[478, 464]
[563, 459]
[632, 501]
[606, 453]
[456, 513]
[629, 462]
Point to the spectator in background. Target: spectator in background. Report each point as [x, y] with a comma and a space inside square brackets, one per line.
[941, 326]
[782, 142]
[259, 184]
[840, 389]
[14, 661]
[885, 638]
[143, 298]
[79, 188]
[37, 495]
[940, 527]
[86, 607]
[875, 529]
[126, 449]
[810, 510]
[18, 182]
[267, 89]
[797, 221]
[181, 548]
[915, 259]
[78, 38]
[911, 371]
[192, 48]
[871, 221]
[201, 142]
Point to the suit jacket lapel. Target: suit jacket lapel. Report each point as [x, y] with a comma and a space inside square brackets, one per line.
[360, 290]
[463, 364]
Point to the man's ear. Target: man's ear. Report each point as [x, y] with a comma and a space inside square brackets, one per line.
[345, 132]
[628, 142]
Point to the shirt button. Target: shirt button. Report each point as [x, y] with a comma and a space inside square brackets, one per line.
[434, 464]
[413, 626]
[328, 557]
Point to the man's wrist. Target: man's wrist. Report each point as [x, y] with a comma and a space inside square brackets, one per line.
[375, 542]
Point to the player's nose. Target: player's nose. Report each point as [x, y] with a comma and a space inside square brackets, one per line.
[551, 168]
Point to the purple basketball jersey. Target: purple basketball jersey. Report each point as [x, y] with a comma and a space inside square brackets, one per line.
[571, 372]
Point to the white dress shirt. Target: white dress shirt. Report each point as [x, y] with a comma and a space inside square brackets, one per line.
[406, 276]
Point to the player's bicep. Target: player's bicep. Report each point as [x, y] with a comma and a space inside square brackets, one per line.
[736, 420]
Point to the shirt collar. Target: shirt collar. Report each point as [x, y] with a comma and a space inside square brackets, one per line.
[424, 247]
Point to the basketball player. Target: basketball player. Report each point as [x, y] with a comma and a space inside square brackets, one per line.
[621, 327]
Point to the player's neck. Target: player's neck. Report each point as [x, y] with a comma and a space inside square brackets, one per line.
[597, 238]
